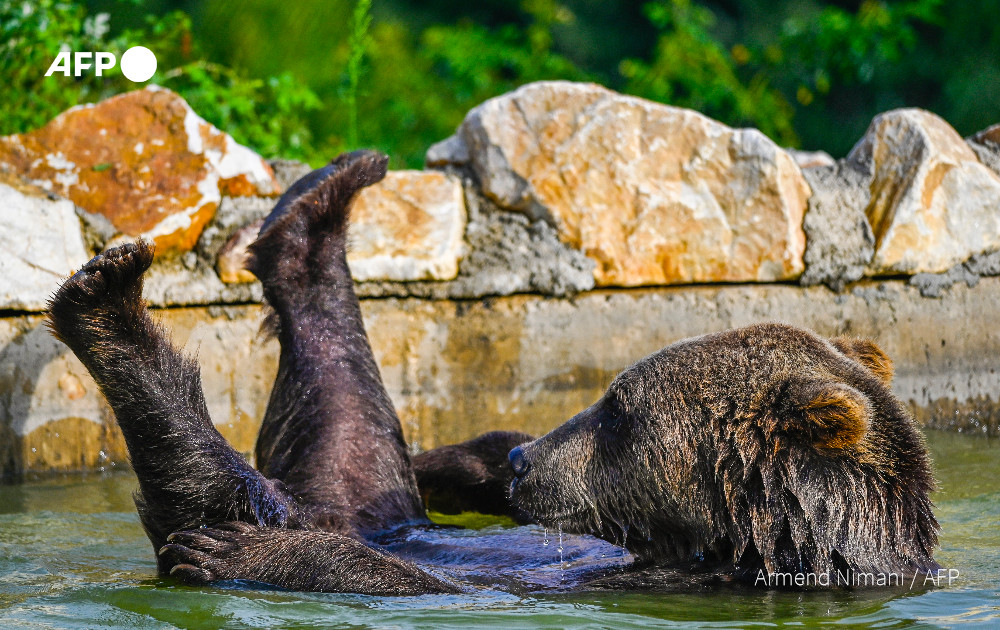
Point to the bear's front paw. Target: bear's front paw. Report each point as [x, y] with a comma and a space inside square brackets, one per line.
[200, 556]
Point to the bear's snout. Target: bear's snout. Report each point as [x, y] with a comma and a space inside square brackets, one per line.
[518, 462]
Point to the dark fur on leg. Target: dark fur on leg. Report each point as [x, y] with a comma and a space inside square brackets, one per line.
[296, 560]
[188, 474]
[330, 432]
[472, 476]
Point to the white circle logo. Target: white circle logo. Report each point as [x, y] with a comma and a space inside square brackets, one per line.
[138, 64]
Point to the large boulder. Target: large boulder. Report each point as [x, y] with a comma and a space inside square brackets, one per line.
[933, 203]
[144, 160]
[41, 243]
[653, 194]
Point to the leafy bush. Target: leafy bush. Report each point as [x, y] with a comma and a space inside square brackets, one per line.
[691, 69]
[267, 114]
[401, 75]
[31, 35]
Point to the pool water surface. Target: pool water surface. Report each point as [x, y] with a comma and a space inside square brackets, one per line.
[73, 555]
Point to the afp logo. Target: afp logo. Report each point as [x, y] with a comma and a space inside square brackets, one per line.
[138, 63]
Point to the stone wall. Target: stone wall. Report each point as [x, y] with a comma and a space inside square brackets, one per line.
[562, 233]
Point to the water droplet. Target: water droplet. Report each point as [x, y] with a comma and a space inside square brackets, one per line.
[545, 534]
[33, 449]
[560, 546]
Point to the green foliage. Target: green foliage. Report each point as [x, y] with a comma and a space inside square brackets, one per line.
[311, 78]
[31, 36]
[360, 22]
[267, 114]
[419, 86]
[690, 68]
[478, 62]
[836, 47]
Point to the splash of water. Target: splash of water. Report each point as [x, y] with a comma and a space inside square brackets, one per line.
[562, 566]
[624, 540]
[560, 546]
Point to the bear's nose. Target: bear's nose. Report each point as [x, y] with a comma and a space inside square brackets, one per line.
[518, 462]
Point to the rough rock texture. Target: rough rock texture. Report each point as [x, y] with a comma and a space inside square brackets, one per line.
[980, 265]
[455, 369]
[654, 194]
[174, 283]
[144, 160]
[507, 253]
[231, 263]
[287, 172]
[839, 241]
[408, 227]
[40, 244]
[986, 145]
[234, 214]
[811, 159]
[933, 204]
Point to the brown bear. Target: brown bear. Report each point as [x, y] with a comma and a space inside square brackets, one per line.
[764, 447]
[755, 452]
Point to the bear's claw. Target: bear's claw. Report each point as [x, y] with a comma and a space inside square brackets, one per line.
[115, 271]
[104, 295]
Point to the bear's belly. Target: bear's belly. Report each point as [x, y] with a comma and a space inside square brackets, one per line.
[512, 559]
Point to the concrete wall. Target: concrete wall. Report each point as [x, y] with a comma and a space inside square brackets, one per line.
[458, 368]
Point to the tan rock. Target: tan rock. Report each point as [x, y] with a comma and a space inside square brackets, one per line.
[40, 244]
[990, 135]
[410, 226]
[933, 204]
[654, 194]
[232, 260]
[144, 160]
[811, 159]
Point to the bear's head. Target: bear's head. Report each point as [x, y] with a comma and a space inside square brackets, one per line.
[766, 447]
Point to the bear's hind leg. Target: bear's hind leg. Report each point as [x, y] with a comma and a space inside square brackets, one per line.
[330, 432]
[188, 474]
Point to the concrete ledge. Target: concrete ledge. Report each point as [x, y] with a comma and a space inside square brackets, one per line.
[458, 368]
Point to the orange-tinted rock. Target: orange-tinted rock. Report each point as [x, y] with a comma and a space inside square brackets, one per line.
[653, 194]
[144, 160]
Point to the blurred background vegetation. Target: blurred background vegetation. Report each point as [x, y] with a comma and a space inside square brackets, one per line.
[308, 78]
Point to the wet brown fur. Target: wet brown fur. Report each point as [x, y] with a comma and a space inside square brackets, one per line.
[761, 448]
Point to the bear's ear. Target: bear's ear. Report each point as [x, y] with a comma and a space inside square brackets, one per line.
[868, 354]
[825, 413]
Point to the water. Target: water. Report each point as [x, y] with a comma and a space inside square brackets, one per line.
[72, 555]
